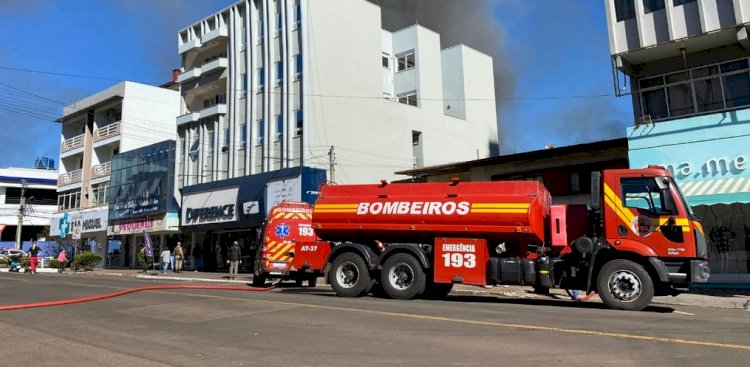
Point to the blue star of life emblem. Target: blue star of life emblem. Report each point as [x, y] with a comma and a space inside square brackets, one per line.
[282, 230]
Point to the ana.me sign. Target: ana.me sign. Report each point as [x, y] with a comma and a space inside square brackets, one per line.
[711, 168]
[209, 207]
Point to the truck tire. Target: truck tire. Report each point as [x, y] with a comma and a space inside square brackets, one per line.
[349, 276]
[312, 281]
[259, 281]
[625, 285]
[402, 277]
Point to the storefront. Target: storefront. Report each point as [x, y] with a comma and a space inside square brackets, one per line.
[215, 214]
[710, 158]
[85, 230]
[143, 199]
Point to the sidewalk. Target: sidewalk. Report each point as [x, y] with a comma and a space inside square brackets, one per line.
[708, 298]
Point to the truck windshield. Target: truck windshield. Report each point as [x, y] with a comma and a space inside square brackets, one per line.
[688, 208]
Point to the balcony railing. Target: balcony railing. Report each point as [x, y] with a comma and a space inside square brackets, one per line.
[108, 131]
[189, 45]
[187, 117]
[101, 170]
[72, 143]
[216, 109]
[69, 177]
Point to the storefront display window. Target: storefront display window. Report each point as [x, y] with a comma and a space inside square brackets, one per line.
[727, 229]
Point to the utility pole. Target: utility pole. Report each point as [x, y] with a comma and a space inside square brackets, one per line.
[332, 164]
[21, 212]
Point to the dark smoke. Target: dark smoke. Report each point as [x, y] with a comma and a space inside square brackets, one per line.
[471, 22]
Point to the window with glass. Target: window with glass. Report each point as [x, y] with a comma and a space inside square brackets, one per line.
[645, 194]
[279, 72]
[243, 135]
[624, 9]
[99, 193]
[261, 30]
[210, 142]
[260, 131]
[650, 6]
[69, 199]
[406, 60]
[243, 78]
[279, 128]
[279, 23]
[227, 138]
[297, 14]
[697, 90]
[298, 67]
[298, 125]
[261, 78]
[386, 61]
[682, 2]
[409, 98]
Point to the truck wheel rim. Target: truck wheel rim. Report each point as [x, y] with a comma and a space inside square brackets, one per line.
[625, 285]
[347, 274]
[401, 276]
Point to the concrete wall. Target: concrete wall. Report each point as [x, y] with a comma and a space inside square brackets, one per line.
[148, 115]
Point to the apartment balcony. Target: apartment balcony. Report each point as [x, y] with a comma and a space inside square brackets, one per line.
[187, 118]
[191, 74]
[189, 45]
[71, 144]
[218, 64]
[107, 132]
[101, 170]
[219, 32]
[69, 178]
[217, 109]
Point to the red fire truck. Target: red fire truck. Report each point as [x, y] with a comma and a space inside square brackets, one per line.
[638, 238]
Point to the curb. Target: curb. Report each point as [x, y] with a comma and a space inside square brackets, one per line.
[162, 277]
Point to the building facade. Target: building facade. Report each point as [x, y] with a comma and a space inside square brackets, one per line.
[275, 84]
[39, 187]
[121, 118]
[687, 65]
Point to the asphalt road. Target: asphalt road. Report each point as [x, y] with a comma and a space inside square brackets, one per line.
[312, 327]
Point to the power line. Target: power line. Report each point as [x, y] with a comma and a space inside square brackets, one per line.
[57, 74]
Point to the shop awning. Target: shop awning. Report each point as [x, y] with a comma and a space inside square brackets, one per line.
[717, 191]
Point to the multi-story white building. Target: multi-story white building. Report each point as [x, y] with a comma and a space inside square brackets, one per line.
[688, 67]
[38, 187]
[118, 119]
[274, 84]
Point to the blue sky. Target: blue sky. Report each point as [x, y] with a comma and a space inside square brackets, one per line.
[555, 48]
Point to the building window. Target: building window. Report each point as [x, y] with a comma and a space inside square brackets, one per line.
[210, 142]
[279, 24]
[279, 73]
[99, 193]
[575, 182]
[195, 148]
[261, 78]
[650, 6]
[261, 30]
[69, 199]
[298, 125]
[279, 128]
[244, 84]
[409, 98]
[681, 2]
[698, 90]
[260, 131]
[227, 139]
[297, 14]
[386, 61]
[406, 60]
[298, 67]
[243, 36]
[182, 149]
[243, 135]
[624, 9]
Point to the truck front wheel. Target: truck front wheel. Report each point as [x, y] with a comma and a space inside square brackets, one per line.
[625, 285]
[402, 277]
[349, 276]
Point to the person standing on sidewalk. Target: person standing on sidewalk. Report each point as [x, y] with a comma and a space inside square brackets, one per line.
[61, 259]
[178, 256]
[165, 257]
[33, 254]
[235, 254]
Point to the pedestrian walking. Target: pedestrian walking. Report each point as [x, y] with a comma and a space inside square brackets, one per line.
[61, 259]
[234, 261]
[142, 258]
[178, 255]
[165, 256]
[33, 254]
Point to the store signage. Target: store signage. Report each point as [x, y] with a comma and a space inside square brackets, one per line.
[78, 222]
[712, 167]
[209, 207]
[168, 222]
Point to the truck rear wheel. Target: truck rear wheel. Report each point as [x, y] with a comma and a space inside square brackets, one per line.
[625, 285]
[349, 276]
[402, 277]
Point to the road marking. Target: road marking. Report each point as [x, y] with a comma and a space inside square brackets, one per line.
[683, 313]
[492, 323]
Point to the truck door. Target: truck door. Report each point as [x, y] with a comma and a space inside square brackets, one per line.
[645, 215]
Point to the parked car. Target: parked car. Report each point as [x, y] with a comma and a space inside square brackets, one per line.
[6, 252]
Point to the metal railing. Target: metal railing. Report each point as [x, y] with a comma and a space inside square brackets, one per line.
[72, 143]
[101, 170]
[108, 131]
[69, 177]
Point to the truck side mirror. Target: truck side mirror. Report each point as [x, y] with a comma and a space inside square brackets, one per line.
[596, 190]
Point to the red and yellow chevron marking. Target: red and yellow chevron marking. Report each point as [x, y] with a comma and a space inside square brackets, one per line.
[500, 208]
[284, 215]
[276, 251]
[627, 216]
[335, 208]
